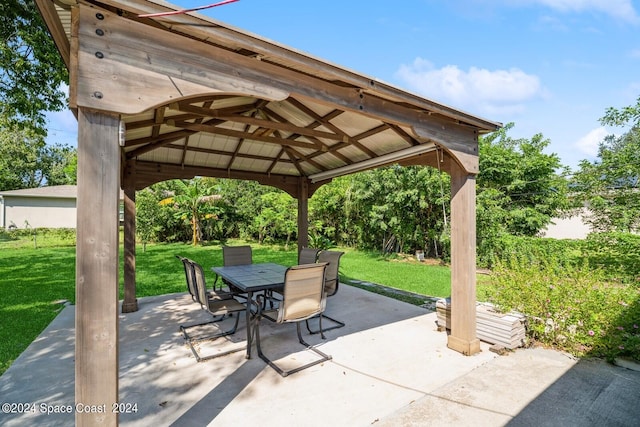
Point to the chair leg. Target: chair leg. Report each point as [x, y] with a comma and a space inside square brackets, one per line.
[283, 373]
[261, 355]
[320, 330]
[191, 340]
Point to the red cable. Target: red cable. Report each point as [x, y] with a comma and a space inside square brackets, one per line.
[178, 12]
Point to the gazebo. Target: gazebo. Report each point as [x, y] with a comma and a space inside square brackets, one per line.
[161, 95]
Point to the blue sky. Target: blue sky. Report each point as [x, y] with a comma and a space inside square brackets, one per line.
[550, 66]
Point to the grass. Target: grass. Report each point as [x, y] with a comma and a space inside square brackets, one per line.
[34, 281]
[401, 273]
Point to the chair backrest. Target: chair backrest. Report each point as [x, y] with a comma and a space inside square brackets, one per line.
[200, 284]
[188, 274]
[331, 280]
[303, 294]
[308, 256]
[236, 255]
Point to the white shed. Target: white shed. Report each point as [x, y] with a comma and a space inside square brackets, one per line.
[43, 207]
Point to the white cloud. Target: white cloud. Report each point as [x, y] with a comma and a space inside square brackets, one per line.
[477, 90]
[589, 143]
[619, 9]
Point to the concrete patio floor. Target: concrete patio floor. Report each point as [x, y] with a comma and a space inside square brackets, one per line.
[390, 367]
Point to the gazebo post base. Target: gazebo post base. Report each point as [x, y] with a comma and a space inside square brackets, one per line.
[468, 348]
[130, 307]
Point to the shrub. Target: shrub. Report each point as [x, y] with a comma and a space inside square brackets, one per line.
[570, 307]
[617, 253]
[530, 249]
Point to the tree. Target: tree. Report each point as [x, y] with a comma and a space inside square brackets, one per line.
[609, 185]
[529, 185]
[327, 214]
[147, 212]
[26, 161]
[193, 202]
[278, 216]
[61, 166]
[629, 115]
[519, 189]
[156, 218]
[397, 209]
[31, 69]
[245, 197]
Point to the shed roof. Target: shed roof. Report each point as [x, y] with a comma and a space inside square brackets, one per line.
[54, 191]
[205, 98]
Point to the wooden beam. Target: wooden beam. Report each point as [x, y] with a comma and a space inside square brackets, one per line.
[131, 67]
[460, 141]
[325, 121]
[205, 127]
[283, 125]
[96, 358]
[236, 151]
[463, 262]
[148, 173]
[47, 9]
[303, 213]
[130, 303]
[187, 106]
[165, 138]
[222, 153]
[404, 135]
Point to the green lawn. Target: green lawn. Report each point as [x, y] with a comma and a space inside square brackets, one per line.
[34, 281]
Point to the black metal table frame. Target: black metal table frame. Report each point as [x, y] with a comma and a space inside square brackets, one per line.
[252, 278]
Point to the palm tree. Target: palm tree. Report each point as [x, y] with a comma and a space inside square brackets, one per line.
[193, 202]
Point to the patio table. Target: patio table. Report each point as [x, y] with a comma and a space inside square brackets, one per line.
[252, 278]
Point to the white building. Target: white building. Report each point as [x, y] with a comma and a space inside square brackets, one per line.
[43, 207]
[573, 227]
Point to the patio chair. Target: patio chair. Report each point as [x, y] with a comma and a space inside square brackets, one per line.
[308, 256]
[221, 309]
[303, 297]
[189, 276]
[332, 280]
[235, 255]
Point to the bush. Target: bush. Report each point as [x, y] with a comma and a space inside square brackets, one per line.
[530, 249]
[616, 254]
[570, 307]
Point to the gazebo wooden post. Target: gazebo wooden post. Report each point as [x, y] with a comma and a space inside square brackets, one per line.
[96, 354]
[463, 262]
[303, 213]
[130, 303]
